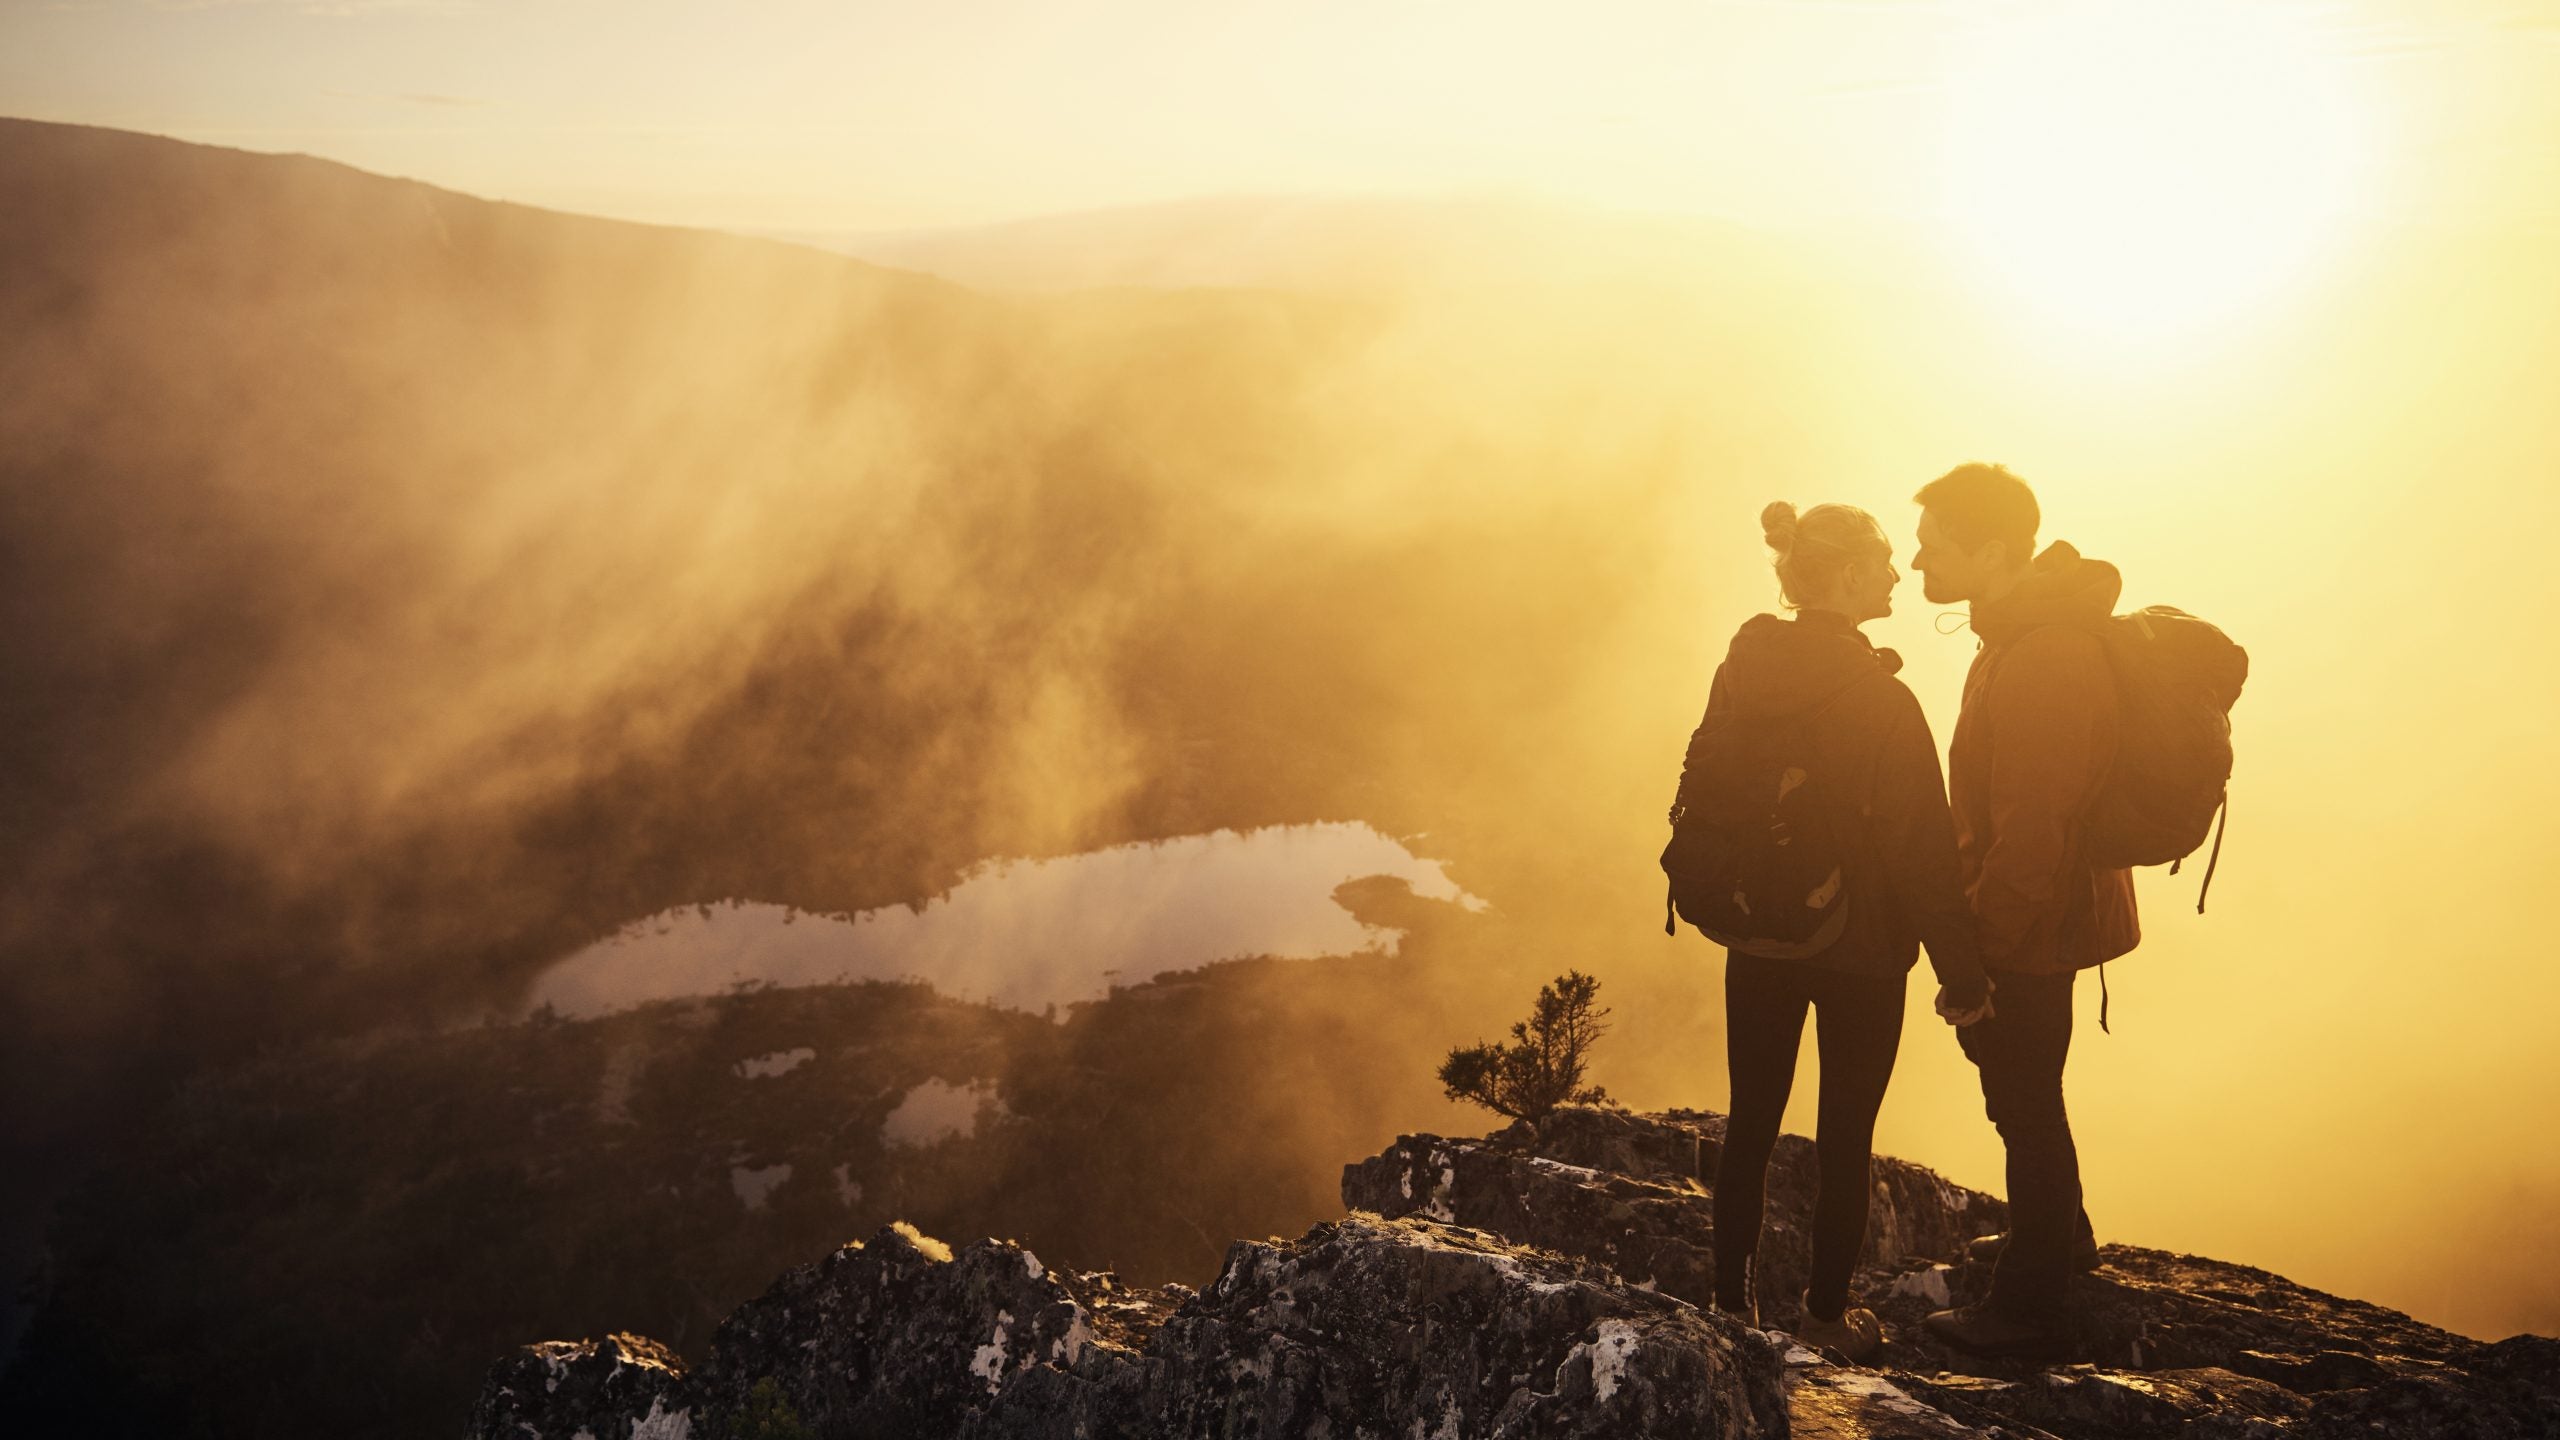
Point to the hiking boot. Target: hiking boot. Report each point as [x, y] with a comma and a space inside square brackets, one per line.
[1985, 1331]
[1987, 1248]
[1746, 1307]
[1857, 1334]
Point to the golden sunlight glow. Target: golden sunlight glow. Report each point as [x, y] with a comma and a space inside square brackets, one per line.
[1342, 415]
[2136, 168]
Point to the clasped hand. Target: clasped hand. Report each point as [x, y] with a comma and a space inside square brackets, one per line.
[1962, 1018]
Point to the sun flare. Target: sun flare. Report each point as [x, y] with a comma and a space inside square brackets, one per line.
[2136, 170]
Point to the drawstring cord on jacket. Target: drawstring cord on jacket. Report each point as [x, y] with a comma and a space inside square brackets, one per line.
[2222, 820]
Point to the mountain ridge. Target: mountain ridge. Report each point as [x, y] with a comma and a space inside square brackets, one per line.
[74, 144]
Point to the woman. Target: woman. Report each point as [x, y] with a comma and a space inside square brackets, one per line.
[1857, 794]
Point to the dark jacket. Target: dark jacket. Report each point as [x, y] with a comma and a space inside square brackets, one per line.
[1900, 868]
[2035, 738]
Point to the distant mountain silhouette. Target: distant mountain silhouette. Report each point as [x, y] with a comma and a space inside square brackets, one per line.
[1328, 244]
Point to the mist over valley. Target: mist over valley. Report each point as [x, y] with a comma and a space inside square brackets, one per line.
[557, 767]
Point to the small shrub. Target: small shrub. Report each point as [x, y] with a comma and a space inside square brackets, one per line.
[1543, 1066]
[768, 1416]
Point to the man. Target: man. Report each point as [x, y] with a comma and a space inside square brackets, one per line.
[2032, 742]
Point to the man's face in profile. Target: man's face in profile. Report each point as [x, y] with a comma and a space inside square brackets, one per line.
[1948, 571]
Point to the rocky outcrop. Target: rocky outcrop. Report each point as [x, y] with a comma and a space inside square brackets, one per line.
[1406, 1327]
[898, 1336]
[1635, 1192]
[1541, 1281]
[617, 1388]
[1362, 1326]
[2167, 1344]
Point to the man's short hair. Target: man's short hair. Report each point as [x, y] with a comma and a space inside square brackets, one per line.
[1980, 503]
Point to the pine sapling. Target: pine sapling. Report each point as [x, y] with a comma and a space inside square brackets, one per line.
[1543, 1066]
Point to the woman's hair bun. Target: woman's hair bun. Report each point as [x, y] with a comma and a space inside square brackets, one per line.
[1778, 525]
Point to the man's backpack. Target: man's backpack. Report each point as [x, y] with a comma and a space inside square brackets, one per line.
[1756, 857]
[2177, 678]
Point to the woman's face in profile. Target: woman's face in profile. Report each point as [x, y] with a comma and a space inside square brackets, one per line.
[1869, 585]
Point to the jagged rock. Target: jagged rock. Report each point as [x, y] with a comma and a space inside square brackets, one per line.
[2085, 1400]
[1417, 1326]
[2166, 1344]
[1362, 1327]
[1371, 1326]
[623, 1387]
[1632, 1191]
[2153, 1310]
[2311, 1374]
[1653, 1230]
[1841, 1402]
[896, 1336]
[2506, 1391]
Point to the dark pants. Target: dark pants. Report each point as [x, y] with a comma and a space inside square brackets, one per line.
[2020, 1051]
[1857, 1028]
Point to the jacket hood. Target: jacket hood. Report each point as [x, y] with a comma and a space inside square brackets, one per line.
[2061, 587]
[1782, 667]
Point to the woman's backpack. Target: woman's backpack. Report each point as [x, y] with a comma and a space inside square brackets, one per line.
[1756, 855]
[2177, 678]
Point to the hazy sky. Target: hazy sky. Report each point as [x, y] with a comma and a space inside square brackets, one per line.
[817, 114]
